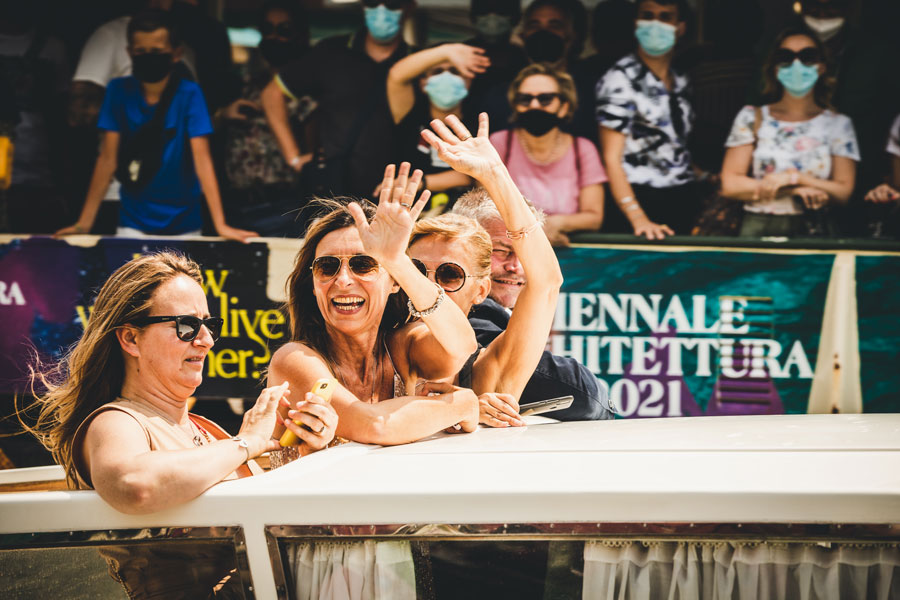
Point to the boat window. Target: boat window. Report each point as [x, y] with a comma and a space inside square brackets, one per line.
[592, 568]
[80, 565]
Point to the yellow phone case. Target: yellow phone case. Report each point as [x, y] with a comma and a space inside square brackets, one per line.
[322, 388]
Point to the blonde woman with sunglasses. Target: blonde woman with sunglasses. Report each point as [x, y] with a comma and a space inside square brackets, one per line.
[350, 321]
[455, 251]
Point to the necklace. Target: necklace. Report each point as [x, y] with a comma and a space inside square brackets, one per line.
[198, 441]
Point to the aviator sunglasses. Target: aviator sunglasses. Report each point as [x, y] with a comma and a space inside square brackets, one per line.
[808, 56]
[187, 327]
[361, 265]
[448, 275]
[545, 99]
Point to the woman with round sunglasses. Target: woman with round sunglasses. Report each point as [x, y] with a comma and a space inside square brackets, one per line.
[114, 412]
[350, 321]
[560, 173]
[456, 252]
[427, 85]
[794, 156]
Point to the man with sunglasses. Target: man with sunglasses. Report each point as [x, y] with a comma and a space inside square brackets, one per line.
[644, 115]
[554, 375]
[346, 76]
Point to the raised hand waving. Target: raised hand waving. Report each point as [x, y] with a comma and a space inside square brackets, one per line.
[473, 156]
[386, 238]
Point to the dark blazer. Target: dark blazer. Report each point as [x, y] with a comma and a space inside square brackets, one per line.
[554, 375]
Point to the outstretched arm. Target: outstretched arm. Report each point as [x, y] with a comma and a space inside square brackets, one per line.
[509, 361]
[388, 422]
[447, 339]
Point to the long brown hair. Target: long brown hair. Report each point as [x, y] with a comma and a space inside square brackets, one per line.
[772, 88]
[92, 372]
[306, 321]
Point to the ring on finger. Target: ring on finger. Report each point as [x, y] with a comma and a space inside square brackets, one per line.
[404, 205]
[466, 137]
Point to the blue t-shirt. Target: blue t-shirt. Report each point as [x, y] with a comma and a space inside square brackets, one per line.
[170, 203]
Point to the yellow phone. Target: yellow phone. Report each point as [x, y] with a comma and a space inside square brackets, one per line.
[322, 388]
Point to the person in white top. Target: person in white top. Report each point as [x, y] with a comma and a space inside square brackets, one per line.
[789, 159]
[890, 192]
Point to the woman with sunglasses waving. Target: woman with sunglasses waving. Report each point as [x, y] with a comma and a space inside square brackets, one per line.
[349, 322]
[115, 415]
[427, 85]
[456, 252]
[800, 155]
[560, 173]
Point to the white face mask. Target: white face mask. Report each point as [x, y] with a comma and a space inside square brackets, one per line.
[825, 28]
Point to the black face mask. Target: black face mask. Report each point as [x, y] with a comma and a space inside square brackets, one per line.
[544, 46]
[537, 122]
[151, 67]
[279, 52]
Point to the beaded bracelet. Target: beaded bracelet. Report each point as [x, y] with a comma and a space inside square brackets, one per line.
[424, 313]
[521, 234]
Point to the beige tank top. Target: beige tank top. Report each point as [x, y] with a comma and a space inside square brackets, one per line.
[162, 433]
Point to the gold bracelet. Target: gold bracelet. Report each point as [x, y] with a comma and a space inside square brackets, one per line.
[521, 234]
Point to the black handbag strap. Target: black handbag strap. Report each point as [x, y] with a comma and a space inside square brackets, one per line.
[158, 119]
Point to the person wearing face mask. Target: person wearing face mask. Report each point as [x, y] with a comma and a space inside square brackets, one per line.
[863, 54]
[645, 115]
[263, 188]
[794, 156]
[162, 158]
[559, 172]
[427, 85]
[494, 21]
[346, 76]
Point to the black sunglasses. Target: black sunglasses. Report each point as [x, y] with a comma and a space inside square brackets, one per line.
[284, 29]
[544, 99]
[361, 265]
[808, 56]
[187, 327]
[448, 275]
[389, 4]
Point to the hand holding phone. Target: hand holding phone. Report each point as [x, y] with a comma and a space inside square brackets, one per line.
[544, 406]
[322, 388]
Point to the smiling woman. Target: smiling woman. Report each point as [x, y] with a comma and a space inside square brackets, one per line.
[348, 321]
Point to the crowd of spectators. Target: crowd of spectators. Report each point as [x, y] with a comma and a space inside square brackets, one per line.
[644, 117]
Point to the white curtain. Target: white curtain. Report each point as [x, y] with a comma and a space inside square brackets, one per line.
[630, 570]
[366, 570]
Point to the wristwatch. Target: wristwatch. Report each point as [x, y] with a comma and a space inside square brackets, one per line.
[295, 162]
[243, 444]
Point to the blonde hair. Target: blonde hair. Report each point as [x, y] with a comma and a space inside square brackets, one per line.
[92, 372]
[451, 226]
[564, 82]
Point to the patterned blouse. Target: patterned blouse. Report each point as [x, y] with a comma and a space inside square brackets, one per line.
[806, 146]
[655, 121]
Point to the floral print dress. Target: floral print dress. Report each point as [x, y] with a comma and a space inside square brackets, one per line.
[806, 146]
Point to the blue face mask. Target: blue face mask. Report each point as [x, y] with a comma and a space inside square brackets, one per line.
[383, 23]
[798, 79]
[446, 90]
[655, 37]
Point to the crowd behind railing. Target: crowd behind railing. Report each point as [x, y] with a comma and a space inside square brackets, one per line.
[653, 133]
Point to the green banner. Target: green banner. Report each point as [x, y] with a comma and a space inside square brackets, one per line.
[674, 333]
